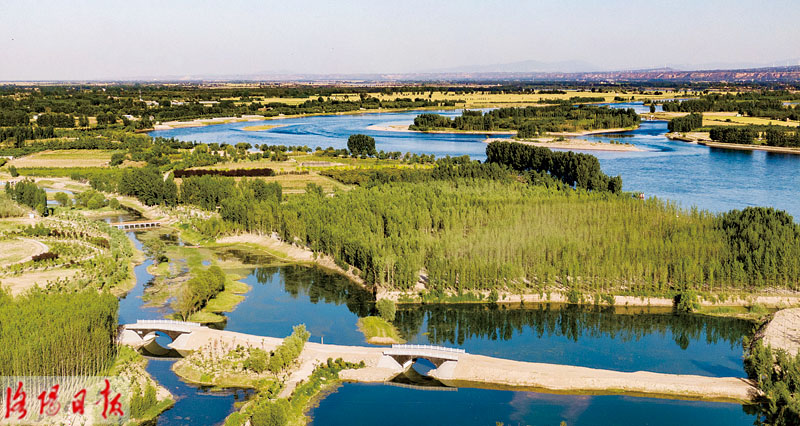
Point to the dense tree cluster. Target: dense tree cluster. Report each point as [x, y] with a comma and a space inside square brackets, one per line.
[149, 186]
[532, 121]
[686, 123]
[777, 375]
[251, 203]
[745, 135]
[574, 169]
[61, 334]
[55, 120]
[26, 192]
[763, 244]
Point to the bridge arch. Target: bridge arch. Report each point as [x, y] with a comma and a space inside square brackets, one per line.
[143, 335]
[405, 355]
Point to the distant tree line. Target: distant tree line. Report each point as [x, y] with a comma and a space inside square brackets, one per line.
[220, 172]
[686, 123]
[768, 135]
[754, 104]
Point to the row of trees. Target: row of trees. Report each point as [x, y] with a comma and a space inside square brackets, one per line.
[149, 186]
[532, 121]
[768, 135]
[202, 287]
[55, 119]
[291, 347]
[686, 123]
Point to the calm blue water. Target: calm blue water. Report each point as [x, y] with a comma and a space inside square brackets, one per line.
[356, 404]
[692, 175]
[619, 339]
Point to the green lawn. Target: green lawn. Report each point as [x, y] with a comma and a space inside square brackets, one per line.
[379, 331]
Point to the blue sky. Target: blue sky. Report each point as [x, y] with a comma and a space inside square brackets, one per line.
[169, 38]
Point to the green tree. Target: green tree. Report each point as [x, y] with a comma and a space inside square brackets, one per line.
[359, 144]
[386, 309]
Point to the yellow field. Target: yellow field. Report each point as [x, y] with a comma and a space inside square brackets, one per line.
[477, 99]
[65, 158]
[730, 118]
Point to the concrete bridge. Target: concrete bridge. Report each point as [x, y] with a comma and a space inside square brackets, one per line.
[138, 224]
[405, 355]
[143, 334]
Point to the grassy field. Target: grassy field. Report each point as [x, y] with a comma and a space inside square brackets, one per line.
[378, 331]
[726, 119]
[65, 158]
[15, 250]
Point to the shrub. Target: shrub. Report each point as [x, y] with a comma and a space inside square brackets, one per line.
[44, 256]
[257, 361]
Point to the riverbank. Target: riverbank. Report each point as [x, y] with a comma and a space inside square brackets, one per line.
[743, 147]
[573, 144]
[703, 138]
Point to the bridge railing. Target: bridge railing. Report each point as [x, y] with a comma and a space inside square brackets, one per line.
[174, 322]
[429, 348]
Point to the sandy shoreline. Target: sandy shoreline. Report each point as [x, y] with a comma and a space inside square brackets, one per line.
[405, 129]
[262, 127]
[480, 369]
[702, 138]
[574, 144]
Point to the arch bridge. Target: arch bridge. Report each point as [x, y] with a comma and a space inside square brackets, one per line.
[142, 334]
[405, 355]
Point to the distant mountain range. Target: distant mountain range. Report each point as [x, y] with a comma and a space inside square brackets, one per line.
[786, 74]
[515, 71]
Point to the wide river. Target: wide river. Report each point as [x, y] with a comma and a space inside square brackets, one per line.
[691, 175]
[620, 339]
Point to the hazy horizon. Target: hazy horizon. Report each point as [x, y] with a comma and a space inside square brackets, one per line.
[94, 40]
